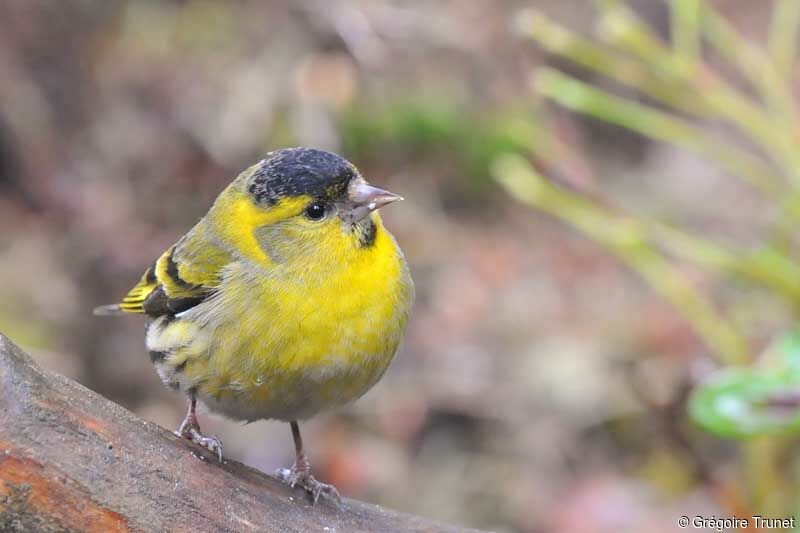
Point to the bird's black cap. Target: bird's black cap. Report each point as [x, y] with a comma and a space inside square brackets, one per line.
[301, 171]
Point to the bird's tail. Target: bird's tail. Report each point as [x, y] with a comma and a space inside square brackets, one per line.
[108, 310]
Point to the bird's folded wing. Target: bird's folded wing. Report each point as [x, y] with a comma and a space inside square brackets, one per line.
[174, 283]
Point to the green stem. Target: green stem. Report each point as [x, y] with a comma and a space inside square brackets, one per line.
[776, 127]
[782, 40]
[622, 27]
[565, 43]
[625, 239]
[685, 22]
[587, 99]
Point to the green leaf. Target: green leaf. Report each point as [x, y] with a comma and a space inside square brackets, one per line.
[740, 403]
[744, 402]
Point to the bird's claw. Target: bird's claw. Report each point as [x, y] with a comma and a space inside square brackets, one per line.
[303, 478]
[211, 443]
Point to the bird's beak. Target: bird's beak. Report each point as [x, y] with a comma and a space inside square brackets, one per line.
[363, 199]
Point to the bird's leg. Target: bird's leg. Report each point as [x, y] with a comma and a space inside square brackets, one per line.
[300, 473]
[190, 429]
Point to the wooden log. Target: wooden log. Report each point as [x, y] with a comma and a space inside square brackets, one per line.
[71, 460]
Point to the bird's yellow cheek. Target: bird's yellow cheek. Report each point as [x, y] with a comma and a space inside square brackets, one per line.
[236, 219]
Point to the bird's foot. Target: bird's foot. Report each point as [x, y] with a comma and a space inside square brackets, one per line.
[190, 430]
[300, 475]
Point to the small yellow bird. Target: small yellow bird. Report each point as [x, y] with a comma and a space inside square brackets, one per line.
[287, 298]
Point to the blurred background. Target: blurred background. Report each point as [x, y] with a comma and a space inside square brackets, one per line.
[600, 214]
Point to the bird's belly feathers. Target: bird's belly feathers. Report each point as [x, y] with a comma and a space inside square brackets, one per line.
[310, 345]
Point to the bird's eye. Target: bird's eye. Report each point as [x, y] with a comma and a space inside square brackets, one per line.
[315, 211]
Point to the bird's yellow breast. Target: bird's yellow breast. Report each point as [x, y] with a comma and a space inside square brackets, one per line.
[314, 329]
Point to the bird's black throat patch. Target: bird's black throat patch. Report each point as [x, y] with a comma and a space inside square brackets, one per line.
[366, 231]
[301, 171]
